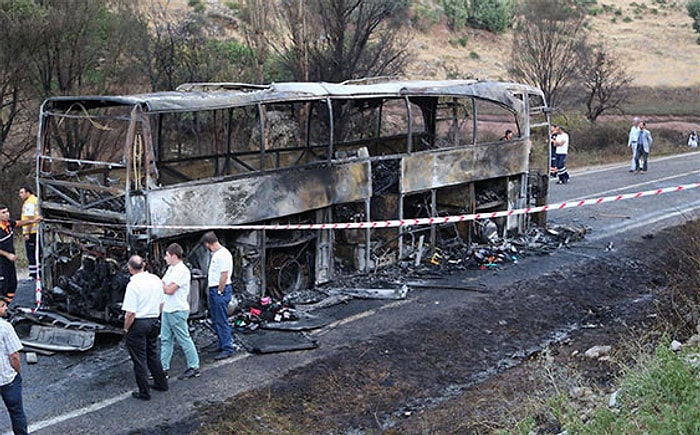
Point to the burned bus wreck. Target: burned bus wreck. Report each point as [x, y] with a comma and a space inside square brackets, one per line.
[118, 175]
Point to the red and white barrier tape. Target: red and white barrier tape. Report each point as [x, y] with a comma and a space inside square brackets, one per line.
[440, 220]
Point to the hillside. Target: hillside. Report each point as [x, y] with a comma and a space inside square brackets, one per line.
[654, 40]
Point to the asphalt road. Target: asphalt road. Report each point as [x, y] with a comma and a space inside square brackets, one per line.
[91, 392]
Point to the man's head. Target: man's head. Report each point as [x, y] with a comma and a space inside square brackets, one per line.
[136, 264]
[4, 303]
[636, 120]
[4, 213]
[173, 254]
[25, 191]
[210, 241]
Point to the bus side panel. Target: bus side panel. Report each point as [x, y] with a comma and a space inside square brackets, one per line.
[258, 198]
[434, 169]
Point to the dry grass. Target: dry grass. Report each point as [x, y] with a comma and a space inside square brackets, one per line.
[654, 41]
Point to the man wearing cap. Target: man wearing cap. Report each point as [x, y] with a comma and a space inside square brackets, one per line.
[220, 292]
[8, 272]
[10, 378]
[142, 304]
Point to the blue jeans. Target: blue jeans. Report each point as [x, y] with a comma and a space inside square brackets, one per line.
[218, 310]
[12, 396]
[174, 325]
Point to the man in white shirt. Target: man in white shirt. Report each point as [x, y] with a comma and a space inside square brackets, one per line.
[142, 304]
[632, 142]
[10, 365]
[176, 310]
[220, 291]
[561, 144]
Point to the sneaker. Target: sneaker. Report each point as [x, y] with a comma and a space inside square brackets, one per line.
[189, 373]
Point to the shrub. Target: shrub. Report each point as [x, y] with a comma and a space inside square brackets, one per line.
[694, 12]
[456, 12]
[493, 15]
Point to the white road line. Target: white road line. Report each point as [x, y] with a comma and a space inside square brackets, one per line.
[631, 186]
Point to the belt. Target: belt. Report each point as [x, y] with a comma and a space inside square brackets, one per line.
[216, 286]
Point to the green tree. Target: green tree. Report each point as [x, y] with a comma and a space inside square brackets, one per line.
[694, 12]
[17, 113]
[456, 12]
[171, 48]
[493, 15]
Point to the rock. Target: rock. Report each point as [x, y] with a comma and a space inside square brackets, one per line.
[32, 358]
[676, 345]
[597, 351]
[693, 341]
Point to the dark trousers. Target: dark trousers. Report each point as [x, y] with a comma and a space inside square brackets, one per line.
[12, 396]
[562, 172]
[142, 343]
[30, 245]
[8, 278]
[218, 310]
[640, 159]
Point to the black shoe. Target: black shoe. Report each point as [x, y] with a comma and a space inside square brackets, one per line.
[165, 372]
[631, 170]
[223, 355]
[189, 373]
[157, 388]
[140, 396]
[216, 350]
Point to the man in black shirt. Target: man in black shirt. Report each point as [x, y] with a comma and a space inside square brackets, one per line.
[8, 272]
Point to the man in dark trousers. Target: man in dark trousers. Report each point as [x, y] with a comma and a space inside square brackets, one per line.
[10, 379]
[142, 304]
[30, 210]
[8, 272]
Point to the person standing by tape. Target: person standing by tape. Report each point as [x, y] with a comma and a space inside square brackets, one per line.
[561, 143]
[632, 142]
[10, 366]
[220, 292]
[644, 141]
[176, 310]
[142, 304]
[8, 271]
[30, 210]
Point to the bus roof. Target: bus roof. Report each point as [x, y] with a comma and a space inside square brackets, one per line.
[212, 96]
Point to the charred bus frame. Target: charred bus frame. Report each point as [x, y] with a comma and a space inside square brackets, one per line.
[118, 175]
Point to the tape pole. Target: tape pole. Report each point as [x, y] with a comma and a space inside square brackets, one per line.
[433, 221]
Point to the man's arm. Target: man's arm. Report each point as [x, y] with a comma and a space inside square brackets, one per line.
[170, 289]
[129, 317]
[15, 361]
[10, 256]
[29, 221]
[222, 281]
